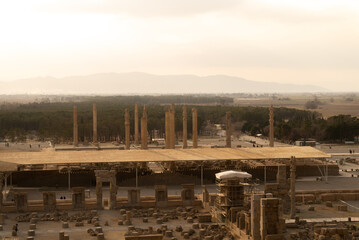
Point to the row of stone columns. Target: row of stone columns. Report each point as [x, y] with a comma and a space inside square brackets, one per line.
[94, 126]
[170, 134]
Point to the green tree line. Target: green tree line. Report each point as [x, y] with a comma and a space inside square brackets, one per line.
[53, 121]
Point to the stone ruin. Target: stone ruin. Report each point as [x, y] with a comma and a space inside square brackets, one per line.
[106, 176]
[187, 194]
[161, 195]
[78, 198]
[21, 204]
[134, 197]
[49, 199]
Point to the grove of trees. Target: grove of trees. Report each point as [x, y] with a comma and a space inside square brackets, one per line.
[53, 121]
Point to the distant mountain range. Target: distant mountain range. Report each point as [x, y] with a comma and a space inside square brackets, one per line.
[143, 83]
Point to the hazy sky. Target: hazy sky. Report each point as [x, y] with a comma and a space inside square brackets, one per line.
[304, 41]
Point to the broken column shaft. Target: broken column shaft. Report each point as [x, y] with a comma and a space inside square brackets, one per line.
[228, 130]
[136, 124]
[194, 127]
[144, 129]
[292, 186]
[76, 130]
[271, 126]
[127, 129]
[94, 116]
[184, 115]
[167, 129]
[172, 127]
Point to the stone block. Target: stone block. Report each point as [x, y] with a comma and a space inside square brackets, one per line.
[65, 225]
[61, 235]
[204, 218]
[169, 234]
[31, 233]
[32, 226]
[100, 236]
[343, 208]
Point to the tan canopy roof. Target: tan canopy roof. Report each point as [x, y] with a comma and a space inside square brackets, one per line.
[154, 155]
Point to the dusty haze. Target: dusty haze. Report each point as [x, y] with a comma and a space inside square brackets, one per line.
[285, 41]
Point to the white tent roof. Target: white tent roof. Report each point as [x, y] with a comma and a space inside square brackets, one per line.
[232, 174]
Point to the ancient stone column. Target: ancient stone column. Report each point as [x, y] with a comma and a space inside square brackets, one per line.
[194, 127]
[271, 126]
[167, 130]
[228, 130]
[143, 133]
[94, 112]
[184, 115]
[144, 129]
[127, 129]
[255, 216]
[270, 217]
[292, 186]
[172, 127]
[136, 124]
[113, 189]
[99, 193]
[2, 177]
[76, 130]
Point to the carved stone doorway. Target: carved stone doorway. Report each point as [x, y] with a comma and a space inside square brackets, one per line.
[106, 176]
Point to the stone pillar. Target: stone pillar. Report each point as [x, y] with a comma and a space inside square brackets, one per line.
[144, 128]
[21, 203]
[194, 127]
[2, 177]
[271, 217]
[161, 195]
[127, 129]
[76, 130]
[292, 186]
[282, 175]
[99, 193]
[228, 130]
[172, 127]
[49, 199]
[167, 130]
[113, 189]
[134, 197]
[187, 194]
[94, 112]
[255, 216]
[143, 133]
[184, 115]
[136, 124]
[205, 194]
[271, 126]
[78, 198]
